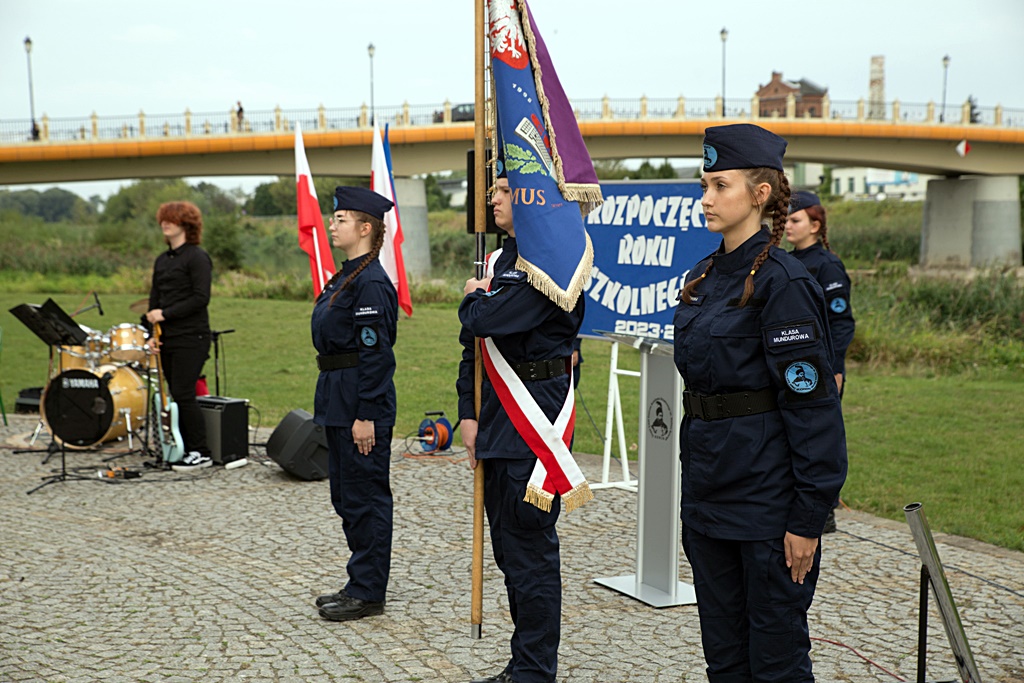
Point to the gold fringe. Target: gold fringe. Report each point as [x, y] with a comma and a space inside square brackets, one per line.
[542, 282]
[594, 197]
[578, 497]
[539, 498]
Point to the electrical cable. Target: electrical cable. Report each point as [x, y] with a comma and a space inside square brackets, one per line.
[875, 664]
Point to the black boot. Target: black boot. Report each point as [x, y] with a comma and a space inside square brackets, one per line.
[329, 598]
[349, 608]
[503, 677]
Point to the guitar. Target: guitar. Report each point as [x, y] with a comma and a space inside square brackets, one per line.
[172, 446]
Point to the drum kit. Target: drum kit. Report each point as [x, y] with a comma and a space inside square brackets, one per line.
[99, 383]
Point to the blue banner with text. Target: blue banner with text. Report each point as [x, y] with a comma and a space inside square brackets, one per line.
[647, 235]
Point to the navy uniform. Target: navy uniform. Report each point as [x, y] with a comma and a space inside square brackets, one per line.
[762, 445]
[354, 338]
[828, 270]
[536, 337]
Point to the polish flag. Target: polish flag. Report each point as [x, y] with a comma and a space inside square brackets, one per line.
[391, 252]
[312, 236]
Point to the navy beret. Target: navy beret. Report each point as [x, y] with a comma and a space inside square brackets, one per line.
[361, 199]
[742, 145]
[801, 200]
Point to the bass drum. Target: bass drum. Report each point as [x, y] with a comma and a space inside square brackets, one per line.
[85, 407]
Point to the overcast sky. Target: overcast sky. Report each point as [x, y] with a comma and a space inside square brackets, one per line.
[116, 57]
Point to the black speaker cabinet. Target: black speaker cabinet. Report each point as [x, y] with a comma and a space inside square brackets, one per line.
[227, 427]
[299, 446]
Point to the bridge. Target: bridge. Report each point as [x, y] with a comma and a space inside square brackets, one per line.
[424, 139]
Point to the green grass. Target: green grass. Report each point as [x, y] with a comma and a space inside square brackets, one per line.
[950, 440]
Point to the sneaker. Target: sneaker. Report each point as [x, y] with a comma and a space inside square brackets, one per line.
[193, 460]
[349, 608]
[331, 597]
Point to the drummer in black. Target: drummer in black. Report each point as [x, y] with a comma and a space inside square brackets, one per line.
[762, 442]
[354, 326]
[178, 301]
[536, 337]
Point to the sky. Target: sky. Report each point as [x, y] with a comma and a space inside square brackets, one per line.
[117, 57]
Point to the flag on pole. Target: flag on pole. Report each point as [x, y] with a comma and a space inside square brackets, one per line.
[312, 236]
[549, 169]
[391, 253]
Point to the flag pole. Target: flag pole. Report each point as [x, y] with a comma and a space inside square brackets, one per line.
[480, 229]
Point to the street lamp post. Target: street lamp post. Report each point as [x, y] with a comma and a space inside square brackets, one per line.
[724, 34]
[945, 73]
[31, 95]
[370, 50]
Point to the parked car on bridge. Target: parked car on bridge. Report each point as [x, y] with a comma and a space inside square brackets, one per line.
[460, 112]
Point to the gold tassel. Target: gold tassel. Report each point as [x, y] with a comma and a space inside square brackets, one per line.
[563, 298]
[578, 497]
[538, 498]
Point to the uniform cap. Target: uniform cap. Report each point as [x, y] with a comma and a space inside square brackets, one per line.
[361, 199]
[801, 200]
[742, 145]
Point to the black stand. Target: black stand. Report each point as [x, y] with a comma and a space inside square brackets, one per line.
[61, 476]
[922, 629]
[216, 334]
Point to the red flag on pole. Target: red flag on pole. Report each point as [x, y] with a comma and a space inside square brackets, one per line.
[391, 253]
[312, 236]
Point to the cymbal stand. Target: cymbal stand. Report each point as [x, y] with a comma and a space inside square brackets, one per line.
[60, 476]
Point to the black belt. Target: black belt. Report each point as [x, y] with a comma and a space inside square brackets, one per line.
[721, 406]
[338, 361]
[540, 369]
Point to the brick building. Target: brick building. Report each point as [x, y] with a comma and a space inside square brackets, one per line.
[772, 97]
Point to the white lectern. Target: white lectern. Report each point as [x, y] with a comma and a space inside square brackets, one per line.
[656, 580]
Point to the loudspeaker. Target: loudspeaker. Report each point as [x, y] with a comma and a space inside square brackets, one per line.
[227, 427]
[492, 227]
[299, 446]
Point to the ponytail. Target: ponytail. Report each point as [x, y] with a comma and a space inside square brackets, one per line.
[817, 213]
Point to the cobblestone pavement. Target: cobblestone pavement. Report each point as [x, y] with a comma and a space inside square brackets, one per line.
[211, 576]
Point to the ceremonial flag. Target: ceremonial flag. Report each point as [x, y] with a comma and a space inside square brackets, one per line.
[391, 254]
[312, 236]
[549, 170]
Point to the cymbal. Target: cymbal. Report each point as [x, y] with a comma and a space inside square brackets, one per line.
[140, 306]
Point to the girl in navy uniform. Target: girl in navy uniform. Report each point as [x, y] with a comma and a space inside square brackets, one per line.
[807, 231]
[354, 327]
[762, 443]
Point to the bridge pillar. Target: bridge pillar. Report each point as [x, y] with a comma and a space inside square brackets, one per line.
[971, 222]
[412, 196]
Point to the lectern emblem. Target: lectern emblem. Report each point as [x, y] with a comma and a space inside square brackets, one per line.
[659, 419]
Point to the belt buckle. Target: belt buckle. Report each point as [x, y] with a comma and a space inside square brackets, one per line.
[705, 407]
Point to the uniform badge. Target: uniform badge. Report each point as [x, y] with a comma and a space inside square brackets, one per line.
[368, 336]
[710, 156]
[838, 305]
[801, 377]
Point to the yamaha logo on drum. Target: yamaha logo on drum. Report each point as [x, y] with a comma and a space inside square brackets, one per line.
[79, 383]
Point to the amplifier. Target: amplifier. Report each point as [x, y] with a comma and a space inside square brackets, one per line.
[227, 427]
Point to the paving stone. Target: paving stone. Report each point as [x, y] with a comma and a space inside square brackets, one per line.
[211, 576]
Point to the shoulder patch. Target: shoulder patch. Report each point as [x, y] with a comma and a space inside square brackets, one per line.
[801, 377]
[833, 285]
[838, 305]
[512, 275]
[368, 336]
[795, 333]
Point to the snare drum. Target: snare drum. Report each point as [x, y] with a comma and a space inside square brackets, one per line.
[89, 355]
[85, 407]
[127, 343]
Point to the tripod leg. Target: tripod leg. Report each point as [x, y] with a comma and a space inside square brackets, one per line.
[35, 434]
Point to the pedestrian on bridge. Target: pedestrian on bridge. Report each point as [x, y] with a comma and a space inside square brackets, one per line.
[762, 443]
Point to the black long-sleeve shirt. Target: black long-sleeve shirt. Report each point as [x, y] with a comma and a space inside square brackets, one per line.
[181, 288]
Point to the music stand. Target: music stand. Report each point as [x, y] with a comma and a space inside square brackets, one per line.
[54, 327]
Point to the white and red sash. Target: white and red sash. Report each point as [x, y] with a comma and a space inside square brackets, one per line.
[556, 471]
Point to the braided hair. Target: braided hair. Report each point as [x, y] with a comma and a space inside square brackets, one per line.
[377, 234]
[777, 206]
[817, 213]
